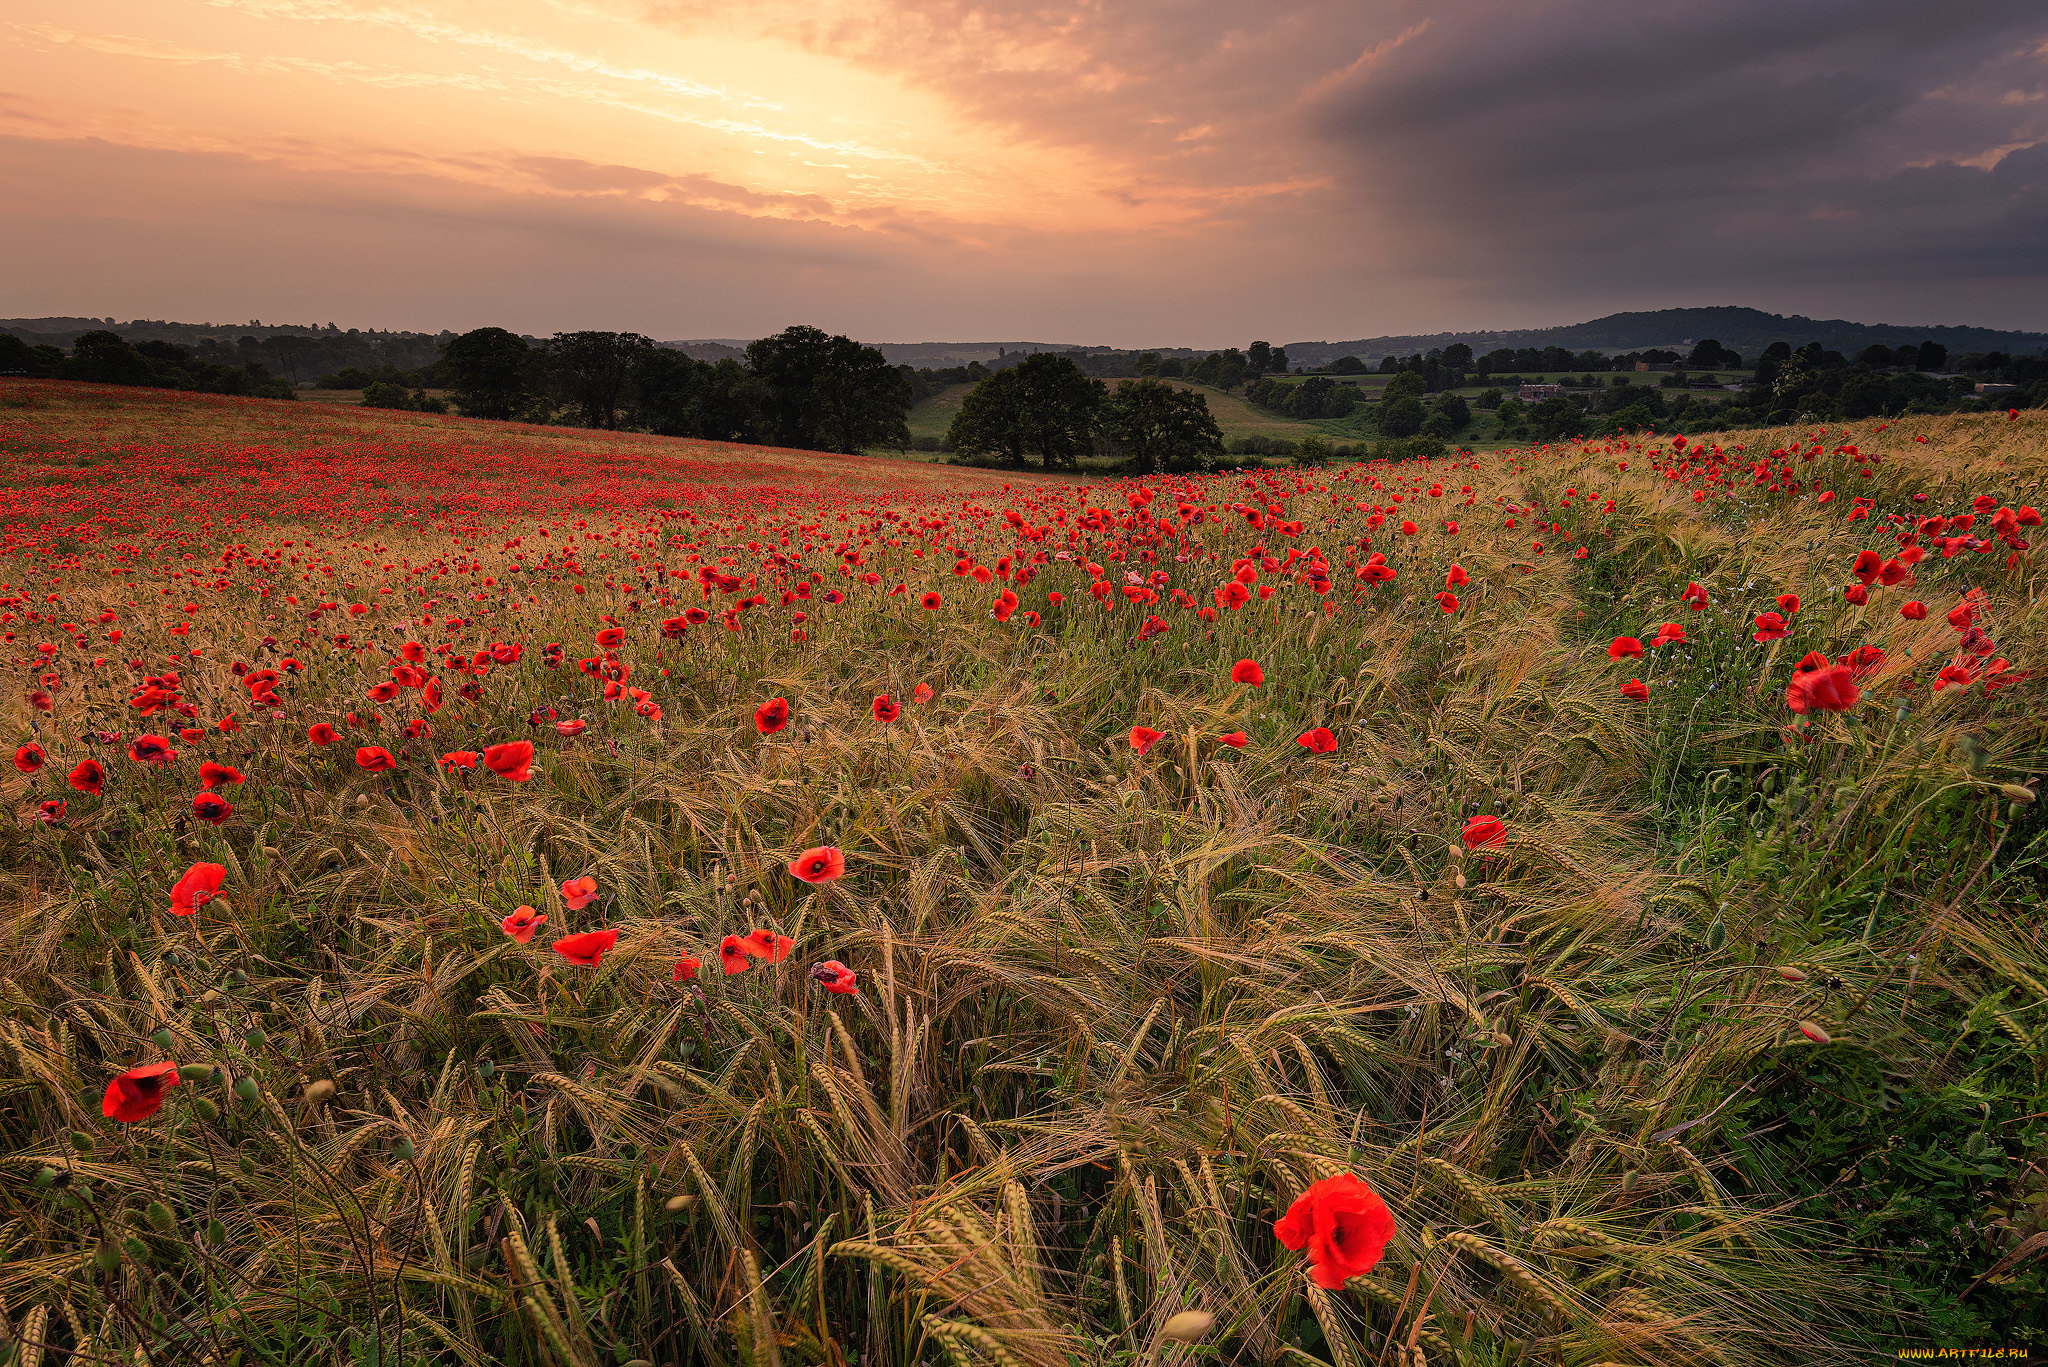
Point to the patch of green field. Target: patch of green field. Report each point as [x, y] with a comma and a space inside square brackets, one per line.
[932, 417]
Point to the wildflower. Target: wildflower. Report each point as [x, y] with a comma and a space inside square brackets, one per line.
[611, 638]
[1636, 691]
[586, 949]
[930, 601]
[1770, 627]
[766, 944]
[1143, 738]
[29, 758]
[510, 760]
[886, 709]
[375, 758]
[1318, 740]
[1832, 689]
[1447, 600]
[1236, 740]
[570, 728]
[320, 733]
[213, 775]
[1815, 1033]
[732, 955]
[1668, 635]
[922, 693]
[522, 923]
[212, 808]
[88, 777]
[50, 812]
[1486, 833]
[1247, 672]
[1457, 578]
[1625, 648]
[1342, 1223]
[1788, 603]
[151, 749]
[200, 884]
[821, 864]
[834, 976]
[578, 893]
[686, 969]
[458, 759]
[138, 1093]
[771, 716]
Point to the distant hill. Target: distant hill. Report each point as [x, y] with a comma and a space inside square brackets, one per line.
[1746, 330]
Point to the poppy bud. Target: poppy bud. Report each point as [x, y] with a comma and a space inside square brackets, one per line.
[205, 1109]
[81, 1141]
[2017, 792]
[676, 1204]
[1189, 1326]
[318, 1092]
[1815, 1033]
[196, 1072]
[246, 1089]
[163, 1039]
[403, 1150]
[1791, 975]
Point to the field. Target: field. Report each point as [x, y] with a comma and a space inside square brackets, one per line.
[1667, 953]
[1233, 415]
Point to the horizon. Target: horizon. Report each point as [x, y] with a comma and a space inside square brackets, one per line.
[924, 168]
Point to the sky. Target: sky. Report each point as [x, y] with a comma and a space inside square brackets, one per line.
[1114, 172]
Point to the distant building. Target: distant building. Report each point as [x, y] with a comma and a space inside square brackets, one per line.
[1996, 388]
[1540, 391]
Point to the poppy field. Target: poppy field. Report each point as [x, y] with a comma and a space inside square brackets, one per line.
[483, 894]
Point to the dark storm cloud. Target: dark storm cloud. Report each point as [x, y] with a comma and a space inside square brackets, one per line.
[1748, 142]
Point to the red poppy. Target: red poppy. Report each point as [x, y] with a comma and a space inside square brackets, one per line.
[1625, 648]
[732, 955]
[1857, 594]
[1669, 634]
[212, 808]
[1962, 615]
[138, 1093]
[1236, 740]
[1486, 833]
[886, 709]
[571, 728]
[1913, 611]
[611, 638]
[522, 923]
[1770, 627]
[29, 758]
[375, 758]
[383, 692]
[1457, 578]
[834, 976]
[1447, 600]
[1788, 603]
[212, 775]
[51, 811]
[578, 893]
[686, 969]
[1318, 740]
[320, 733]
[1342, 1223]
[200, 884]
[510, 760]
[458, 759]
[921, 693]
[1636, 691]
[930, 601]
[586, 949]
[766, 944]
[1247, 672]
[821, 864]
[771, 716]
[151, 749]
[1832, 689]
[1143, 738]
[88, 777]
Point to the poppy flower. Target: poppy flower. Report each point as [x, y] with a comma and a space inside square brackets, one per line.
[1636, 691]
[586, 949]
[1788, 603]
[1625, 648]
[821, 864]
[921, 693]
[886, 709]
[320, 733]
[1914, 611]
[151, 749]
[1815, 1033]
[51, 811]
[1236, 740]
[88, 777]
[375, 758]
[1669, 634]
[611, 638]
[766, 944]
[138, 1093]
[213, 775]
[1486, 833]
[1318, 740]
[929, 601]
[29, 758]
[510, 760]
[570, 728]
[212, 808]
[1770, 627]
[1832, 689]
[458, 759]
[1457, 578]
[1868, 565]
[1857, 594]
[1247, 672]
[732, 955]
[1344, 1226]
[686, 969]
[771, 716]
[578, 893]
[1447, 600]
[522, 923]
[200, 884]
[834, 976]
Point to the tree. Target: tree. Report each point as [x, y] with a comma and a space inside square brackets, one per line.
[1401, 416]
[1259, 357]
[1159, 427]
[1457, 356]
[1346, 365]
[991, 419]
[102, 357]
[593, 371]
[829, 393]
[1931, 356]
[491, 372]
[1403, 385]
[1280, 359]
